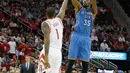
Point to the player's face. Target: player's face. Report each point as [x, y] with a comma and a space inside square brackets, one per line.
[86, 3]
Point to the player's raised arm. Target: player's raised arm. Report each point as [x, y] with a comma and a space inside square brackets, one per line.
[61, 14]
[94, 7]
[77, 5]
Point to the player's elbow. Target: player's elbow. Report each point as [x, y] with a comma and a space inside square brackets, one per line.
[95, 12]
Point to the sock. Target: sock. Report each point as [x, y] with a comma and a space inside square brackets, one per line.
[69, 66]
[84, 67]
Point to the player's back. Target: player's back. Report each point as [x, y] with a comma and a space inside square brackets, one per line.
[56, 32]
[84, 22]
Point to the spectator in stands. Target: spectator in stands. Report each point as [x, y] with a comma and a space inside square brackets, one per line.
[12, 69]
[29, 49]
[18, 39]
[94, 37]
[28, 67]
[13, 24]
[13, 60]
[22, 49]
[0, 69]
[2, 36]
[22, 38]
[1, 61]
[37, 41]
[102, 10]
[6, 47]
[17, 70]
[125, 32]
[94, 30]
[12, 45]
[4, 70]
[122, 47]
[95, 46]
[121, 38]
[104, 46]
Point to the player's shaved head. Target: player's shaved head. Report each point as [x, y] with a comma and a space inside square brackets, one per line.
[50, 11]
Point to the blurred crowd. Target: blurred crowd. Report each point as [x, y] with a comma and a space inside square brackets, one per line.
[20, 33]
[107, 34]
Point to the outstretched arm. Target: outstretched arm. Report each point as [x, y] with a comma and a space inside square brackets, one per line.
[94, 7]
[61, 14]
[77, 5]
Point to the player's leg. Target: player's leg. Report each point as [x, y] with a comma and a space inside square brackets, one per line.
[73, 53]
[85, 54]
[85, 66]
[55, 60]
[69, 66]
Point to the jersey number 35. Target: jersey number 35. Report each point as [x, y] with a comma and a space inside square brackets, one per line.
[87, 22]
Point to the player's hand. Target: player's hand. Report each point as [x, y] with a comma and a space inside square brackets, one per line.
[46, 63]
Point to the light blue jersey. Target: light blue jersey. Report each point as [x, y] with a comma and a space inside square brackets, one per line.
[80, 44]
[84, 22]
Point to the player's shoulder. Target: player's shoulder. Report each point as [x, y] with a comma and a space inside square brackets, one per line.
[59, 20]
[45, 23]
[90, 11]
[80, 9]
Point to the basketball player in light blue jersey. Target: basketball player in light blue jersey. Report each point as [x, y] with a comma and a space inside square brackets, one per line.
[80, 44]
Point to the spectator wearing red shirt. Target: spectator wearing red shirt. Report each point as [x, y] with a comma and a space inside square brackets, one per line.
[14, 59]
[34, 27]
[6, 47]
[21, 46]
[29, 49]
[115, 45]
